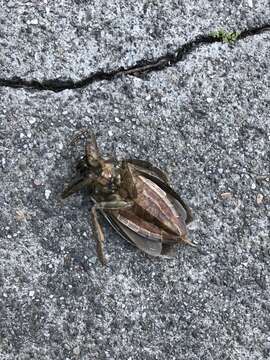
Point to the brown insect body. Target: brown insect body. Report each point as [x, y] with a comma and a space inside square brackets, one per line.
[152, 215]
[136, 199]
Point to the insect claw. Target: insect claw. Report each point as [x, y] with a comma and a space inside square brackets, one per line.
[187, 241]
[103, 261]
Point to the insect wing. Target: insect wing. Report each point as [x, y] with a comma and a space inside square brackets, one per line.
[179, 208]
[147, 168]
[181, 205]
[150, 247]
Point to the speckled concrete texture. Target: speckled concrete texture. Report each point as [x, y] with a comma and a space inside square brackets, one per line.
[206, 122]
[72, 39]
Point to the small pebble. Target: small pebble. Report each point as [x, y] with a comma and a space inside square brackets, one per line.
[76, 350]
[92, 260]
[69, 226]
[259, 199]
[33, 22]
[32, 121]
[37, 182]
[110, 133]
[47, 193]
[21, 215]
[31, 293]
[263, 178]
[226, 195]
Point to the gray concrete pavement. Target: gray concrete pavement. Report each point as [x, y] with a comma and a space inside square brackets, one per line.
[72, 39]
[206, 122]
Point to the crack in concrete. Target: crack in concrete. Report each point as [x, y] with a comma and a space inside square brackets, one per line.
[141, 68]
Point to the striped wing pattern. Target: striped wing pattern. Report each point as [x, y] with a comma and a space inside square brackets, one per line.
[153, 215]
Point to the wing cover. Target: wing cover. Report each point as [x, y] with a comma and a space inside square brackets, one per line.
[150, 247]
[146, 167]
[173, 195]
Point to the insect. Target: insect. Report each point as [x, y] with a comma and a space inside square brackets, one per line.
[136, 199]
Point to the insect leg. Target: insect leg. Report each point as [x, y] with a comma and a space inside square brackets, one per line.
[91, 151]
[76, 185]
[110, 205]
[99, 236]
[114, 205]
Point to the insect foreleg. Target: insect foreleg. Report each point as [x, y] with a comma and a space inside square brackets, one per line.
[77, 185]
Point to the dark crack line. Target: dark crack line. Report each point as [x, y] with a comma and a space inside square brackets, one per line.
[141, 68]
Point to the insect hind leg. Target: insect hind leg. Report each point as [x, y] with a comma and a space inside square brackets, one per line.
[99, 236]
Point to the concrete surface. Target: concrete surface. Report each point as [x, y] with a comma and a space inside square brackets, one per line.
[72, 39]
[206, 122]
